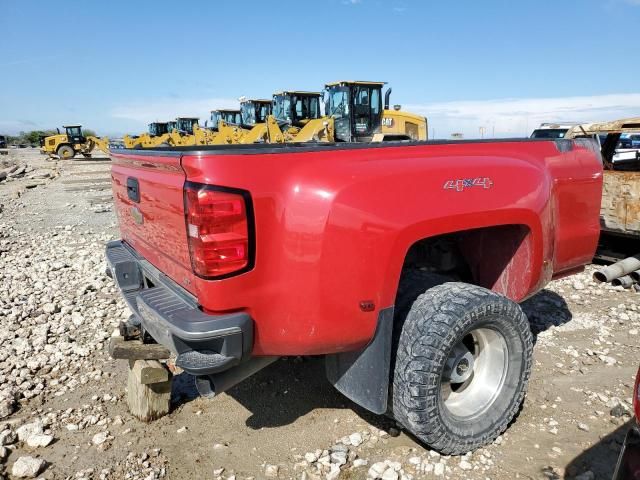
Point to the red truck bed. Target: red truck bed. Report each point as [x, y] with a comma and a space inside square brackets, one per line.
[234, 253]
[333, 224]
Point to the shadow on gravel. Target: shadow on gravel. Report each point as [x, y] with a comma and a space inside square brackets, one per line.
[601, 458]
[183, 389]
[294, 386]
[291, 388]
[544, 310]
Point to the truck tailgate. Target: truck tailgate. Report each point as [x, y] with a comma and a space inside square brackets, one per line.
[148, 195]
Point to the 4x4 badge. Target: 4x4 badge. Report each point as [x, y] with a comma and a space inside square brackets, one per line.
[460, 184]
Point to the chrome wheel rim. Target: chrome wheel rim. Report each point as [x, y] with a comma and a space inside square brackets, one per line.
[474, 373]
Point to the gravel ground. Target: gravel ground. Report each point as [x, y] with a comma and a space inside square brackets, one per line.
[62, 407]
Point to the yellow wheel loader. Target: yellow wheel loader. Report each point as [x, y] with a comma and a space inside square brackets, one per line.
[229, 116]
[145, 140]
[174, 133]
[73, 142]
[354, 112]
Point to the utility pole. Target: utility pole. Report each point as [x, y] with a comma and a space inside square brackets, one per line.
[482, 130]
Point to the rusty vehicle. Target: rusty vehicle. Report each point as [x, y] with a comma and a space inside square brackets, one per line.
[620, 211]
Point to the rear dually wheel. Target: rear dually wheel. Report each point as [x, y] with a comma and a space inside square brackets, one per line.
[462, 366]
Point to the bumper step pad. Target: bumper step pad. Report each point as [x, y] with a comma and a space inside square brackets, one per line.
[205, 362]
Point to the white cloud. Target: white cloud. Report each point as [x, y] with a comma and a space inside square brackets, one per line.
[518, 116]
[164, 109]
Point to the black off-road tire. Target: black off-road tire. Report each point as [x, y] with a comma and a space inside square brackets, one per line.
[66, 152]
[437, 321]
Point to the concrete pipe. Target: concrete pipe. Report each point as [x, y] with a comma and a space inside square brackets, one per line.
[635, 275]
[618, 269]
[624, 282]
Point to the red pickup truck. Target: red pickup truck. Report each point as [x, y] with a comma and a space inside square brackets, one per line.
[401, 263]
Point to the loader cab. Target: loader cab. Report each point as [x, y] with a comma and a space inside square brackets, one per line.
[254, 111]
[157, 129]
[230, 117]
[185, 124]
[356, 108]
[296, 108]
[214, 120]
[74, 134]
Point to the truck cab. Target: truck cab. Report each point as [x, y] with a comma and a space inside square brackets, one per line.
[552, 131]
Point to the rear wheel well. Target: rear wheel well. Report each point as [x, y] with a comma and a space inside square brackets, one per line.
[497, 258]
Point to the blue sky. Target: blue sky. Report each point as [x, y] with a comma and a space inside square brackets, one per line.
[505, 66]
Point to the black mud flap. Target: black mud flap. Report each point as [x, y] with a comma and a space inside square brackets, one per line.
[363, 376]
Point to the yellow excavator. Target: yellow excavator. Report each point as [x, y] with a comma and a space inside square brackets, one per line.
[67, 145]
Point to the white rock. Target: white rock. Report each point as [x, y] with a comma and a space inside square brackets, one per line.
[415, 460]
[27, 467]
[311, 457]
[360, 462]
[333, 473]
[464, 465]
[181, 430]
[390, 474]
[339, 458]
[100, 438]
[7, 407]
[355, 439]
[438, 469]
[8, 437]
[271, 471]
[29, 429]
[39, 440]
[377, 469]
[395, 465]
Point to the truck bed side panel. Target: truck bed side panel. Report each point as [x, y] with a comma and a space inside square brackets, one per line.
[333, 226]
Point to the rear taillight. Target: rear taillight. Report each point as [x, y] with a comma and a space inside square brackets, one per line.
[218, 229]
[636, 398]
